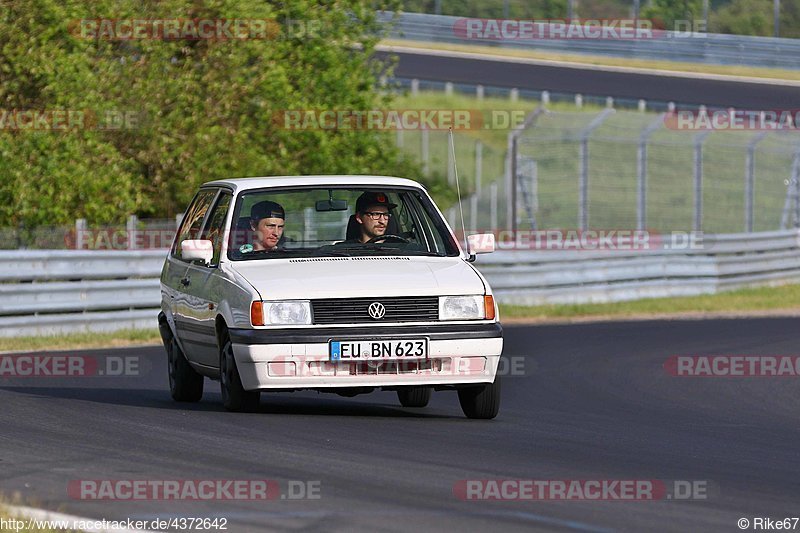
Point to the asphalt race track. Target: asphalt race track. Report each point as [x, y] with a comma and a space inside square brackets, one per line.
[696, 91]
[592, 402]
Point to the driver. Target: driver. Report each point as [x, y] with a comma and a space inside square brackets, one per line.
[267, 220]
[372, 215]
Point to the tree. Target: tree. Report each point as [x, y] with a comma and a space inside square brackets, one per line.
[203, 109]
[672, 14]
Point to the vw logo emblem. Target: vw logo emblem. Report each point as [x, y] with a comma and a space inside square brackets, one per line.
[376, 310]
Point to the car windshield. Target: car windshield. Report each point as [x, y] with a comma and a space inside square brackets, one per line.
[345, 221]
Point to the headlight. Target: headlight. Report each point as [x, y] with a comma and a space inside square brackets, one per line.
[461, 308]
[292, 312]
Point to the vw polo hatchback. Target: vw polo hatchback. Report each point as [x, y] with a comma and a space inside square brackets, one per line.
[342, 284]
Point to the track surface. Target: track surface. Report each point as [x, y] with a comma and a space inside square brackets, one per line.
[751, 96]
[594, 403]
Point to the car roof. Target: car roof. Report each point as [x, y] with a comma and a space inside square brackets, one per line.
[241, 184]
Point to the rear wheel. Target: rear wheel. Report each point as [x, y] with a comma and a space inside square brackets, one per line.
[185, 384]
[414, 396]
[481, 401]
[234, 397]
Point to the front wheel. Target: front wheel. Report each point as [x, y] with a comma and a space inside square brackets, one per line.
[185, 384]
[481, 401]
[234, 397]
[414, 396]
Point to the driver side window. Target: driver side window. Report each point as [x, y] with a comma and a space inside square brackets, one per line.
[216, 225]
[193, 219]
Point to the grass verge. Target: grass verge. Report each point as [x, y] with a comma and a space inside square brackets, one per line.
[756, 300]
[77, 341]
[649, 64]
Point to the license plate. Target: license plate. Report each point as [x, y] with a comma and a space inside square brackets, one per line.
[372, 350]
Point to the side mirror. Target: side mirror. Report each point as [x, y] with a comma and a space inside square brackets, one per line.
[481, 243]
[197, 250]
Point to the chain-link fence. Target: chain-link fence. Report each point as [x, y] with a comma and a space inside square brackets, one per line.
[602, 169]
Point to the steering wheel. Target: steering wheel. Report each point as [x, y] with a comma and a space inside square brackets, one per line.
[395, 238]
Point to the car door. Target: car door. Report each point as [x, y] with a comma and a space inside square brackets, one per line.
[175, 277]
[204, 285]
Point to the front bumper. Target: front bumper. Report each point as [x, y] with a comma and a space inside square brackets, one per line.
[299, 358]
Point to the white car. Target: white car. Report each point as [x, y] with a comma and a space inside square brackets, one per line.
[342, 284]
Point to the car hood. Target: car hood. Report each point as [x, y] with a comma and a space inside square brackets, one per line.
[365, 276]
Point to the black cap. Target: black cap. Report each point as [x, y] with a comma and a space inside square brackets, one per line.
[370, 198]
[266, 209]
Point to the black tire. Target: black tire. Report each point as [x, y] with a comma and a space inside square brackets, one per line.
[482, 401]
[185, 384]
[234, 397]
[414, 396]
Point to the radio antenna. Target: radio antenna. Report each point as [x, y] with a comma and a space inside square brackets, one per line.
[458, 191]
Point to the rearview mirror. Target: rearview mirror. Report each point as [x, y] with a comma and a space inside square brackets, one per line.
[331, 205]
[197, 250]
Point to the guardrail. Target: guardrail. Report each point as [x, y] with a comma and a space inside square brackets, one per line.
[710, 48]
[723, 262]
[47, 292]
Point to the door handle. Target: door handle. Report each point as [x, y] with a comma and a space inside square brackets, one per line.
[185, 281]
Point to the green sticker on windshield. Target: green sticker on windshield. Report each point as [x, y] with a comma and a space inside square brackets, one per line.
[246, 248]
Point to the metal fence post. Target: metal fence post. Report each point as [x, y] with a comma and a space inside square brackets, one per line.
[750, 179]
[528, 170]
[414, 87]
[473, 212]
[697, 224]
[80, 232]
[493, 206]
[131, 230]
[511, 165]
[478, 167]
[792, 198]
[308, 223]
[641, 171]
[796, 183]
[512, 191]
[425, 140]
[583, 168]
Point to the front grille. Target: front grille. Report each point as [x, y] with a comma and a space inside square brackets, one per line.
[355, 310]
